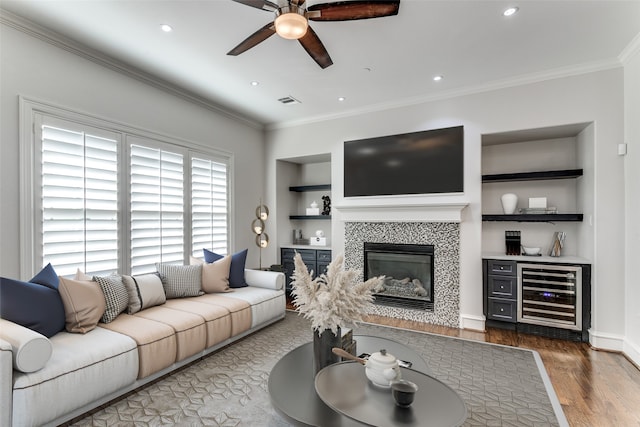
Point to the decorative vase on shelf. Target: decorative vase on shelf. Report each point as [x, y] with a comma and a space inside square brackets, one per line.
[323, 343]
[509, 203]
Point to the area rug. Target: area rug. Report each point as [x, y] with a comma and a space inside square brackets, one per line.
[501, 386]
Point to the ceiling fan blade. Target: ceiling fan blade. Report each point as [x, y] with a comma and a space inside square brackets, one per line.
[259, 36]
[354, 9]
[259, 4]
[314, 47]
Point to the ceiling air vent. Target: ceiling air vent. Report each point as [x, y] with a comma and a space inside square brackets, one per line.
[289, 100]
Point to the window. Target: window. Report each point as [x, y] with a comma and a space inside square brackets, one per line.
[107, 198]
[156, 208]
[209, 206]
[79, 193]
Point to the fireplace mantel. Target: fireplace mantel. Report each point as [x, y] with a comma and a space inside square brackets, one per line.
[441, 212]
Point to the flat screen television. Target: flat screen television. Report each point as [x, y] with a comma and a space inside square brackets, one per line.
[425, 162]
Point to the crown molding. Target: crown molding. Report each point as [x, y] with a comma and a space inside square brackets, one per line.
[27, 27]
[525, 79]
[632, 49]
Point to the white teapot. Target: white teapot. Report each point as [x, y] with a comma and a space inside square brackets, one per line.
[381, 368]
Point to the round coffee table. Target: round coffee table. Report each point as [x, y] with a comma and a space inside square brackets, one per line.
[292, 387]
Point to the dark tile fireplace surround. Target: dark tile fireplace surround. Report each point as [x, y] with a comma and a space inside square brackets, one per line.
[442, 306]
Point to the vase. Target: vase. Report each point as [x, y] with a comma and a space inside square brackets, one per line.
[323, 343]
[509, 203]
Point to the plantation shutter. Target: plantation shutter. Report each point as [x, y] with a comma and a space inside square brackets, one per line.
[79, 196]
[209, 206]
[157, 208]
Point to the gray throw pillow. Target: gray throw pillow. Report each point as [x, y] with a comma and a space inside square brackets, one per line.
[180, 281]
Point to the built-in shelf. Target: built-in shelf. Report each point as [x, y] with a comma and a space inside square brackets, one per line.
[303, 188]
[534, 217]
[309, 216]
[533, 176]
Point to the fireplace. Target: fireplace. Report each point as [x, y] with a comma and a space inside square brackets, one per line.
[408, 271]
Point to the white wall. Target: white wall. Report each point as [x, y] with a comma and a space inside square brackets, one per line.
[595, 97]
[632, 192]
[37, 69]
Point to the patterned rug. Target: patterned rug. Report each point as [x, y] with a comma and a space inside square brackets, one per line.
[501, 386]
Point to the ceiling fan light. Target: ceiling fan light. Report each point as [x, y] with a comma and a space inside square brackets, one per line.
[291, 25]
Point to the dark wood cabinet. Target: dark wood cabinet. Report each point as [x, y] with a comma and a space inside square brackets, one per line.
[315, 259]
[500, 290]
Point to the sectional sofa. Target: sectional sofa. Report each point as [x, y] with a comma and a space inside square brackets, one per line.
[50, 380]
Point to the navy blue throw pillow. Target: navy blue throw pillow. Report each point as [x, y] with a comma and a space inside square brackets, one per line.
[236, 273]
[47, 277]
[35, 305]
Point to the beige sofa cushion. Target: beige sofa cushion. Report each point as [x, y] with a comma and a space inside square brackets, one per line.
[217, 319]
[239, 310]
[156, 341]
[189, 328]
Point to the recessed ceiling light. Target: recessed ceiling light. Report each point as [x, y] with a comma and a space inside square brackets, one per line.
[437, 78]
[510, 11]
[255, 83]
[341, 98]
[166, 28]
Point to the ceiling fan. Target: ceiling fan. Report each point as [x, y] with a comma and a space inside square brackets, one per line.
[292, 22]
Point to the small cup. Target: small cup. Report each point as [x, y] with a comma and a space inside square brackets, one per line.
[403, 392]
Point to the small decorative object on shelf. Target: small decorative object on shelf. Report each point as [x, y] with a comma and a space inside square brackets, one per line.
[313, 209]
[558, 243]
[512, 240]
[258, 225]
[326, 205]
[330, 301]
[509, 203]
[319, 240]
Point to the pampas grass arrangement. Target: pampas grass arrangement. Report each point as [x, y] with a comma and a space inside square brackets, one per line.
[333, 299]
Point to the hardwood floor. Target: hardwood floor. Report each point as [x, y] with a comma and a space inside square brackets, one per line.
[595, 388]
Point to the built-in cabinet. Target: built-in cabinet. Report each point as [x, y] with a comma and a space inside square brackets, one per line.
[501, 290]
[316, 260]
[551, 299]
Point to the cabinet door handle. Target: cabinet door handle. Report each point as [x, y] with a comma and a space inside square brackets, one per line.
[501, 310]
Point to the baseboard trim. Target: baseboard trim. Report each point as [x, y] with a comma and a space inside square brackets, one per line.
[474, 323]
[606, 341]
[632, 352]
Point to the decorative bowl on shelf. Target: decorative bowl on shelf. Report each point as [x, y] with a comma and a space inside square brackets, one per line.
[530, 251]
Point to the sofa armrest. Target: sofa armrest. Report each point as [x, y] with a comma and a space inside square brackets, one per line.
[6, 383]
[264, 279]
[30, 351]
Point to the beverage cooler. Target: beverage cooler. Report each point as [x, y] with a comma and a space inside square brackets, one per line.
[550, 295]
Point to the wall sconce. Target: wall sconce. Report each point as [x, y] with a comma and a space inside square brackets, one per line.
[257, 226]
